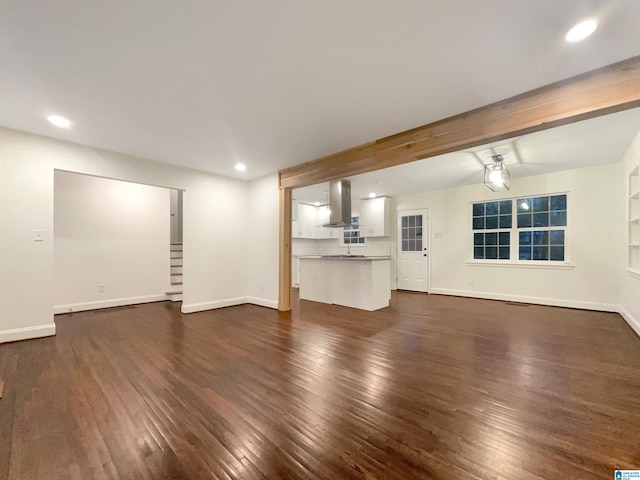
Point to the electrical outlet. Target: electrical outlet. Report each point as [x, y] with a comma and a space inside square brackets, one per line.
[471, 280]
[101, 288]
[438, 235]
[261, 286]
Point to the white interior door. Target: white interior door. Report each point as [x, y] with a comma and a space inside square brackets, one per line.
[413, 260]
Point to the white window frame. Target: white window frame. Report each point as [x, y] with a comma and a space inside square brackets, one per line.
[342, 231]
[514, 232]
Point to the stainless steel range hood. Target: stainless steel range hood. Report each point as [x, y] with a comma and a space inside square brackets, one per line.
[339, 204]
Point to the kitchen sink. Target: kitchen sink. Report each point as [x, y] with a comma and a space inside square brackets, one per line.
[343, 256]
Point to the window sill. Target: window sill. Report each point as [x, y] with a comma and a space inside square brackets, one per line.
[633, 272]
[547, 265]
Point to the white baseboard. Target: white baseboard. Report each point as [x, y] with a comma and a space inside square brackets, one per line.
[27, 333]
[228, 302]
[633, 322]
[553, 302]
[199, 307]
[116, 302]
[263, 302]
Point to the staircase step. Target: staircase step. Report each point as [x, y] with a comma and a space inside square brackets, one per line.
[175, 262]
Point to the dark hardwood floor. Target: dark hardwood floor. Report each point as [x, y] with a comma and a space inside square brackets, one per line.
[431, 387]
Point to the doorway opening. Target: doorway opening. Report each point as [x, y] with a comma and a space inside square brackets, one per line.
[113, 243]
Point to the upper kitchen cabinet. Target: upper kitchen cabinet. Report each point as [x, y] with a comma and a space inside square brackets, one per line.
[375, 217]
[322, 218]
[305, 225]
[309, 222]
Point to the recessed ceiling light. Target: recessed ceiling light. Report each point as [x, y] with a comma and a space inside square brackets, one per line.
[582, 30]
[59, 121]
[241, 167]
[372, 195]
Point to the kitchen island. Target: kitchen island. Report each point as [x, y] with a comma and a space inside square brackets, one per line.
[349, 280]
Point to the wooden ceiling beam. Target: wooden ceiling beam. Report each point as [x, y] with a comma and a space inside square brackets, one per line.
[606, 90]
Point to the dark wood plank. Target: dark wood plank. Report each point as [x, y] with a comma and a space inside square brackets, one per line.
[430, 387]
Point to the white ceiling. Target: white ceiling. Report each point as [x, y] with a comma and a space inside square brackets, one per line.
[274, 83]
[583, 144]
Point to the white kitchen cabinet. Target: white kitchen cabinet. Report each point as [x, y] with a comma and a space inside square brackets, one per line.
[309, 222]
[375, 215]
[363, 283]
[305, 225]
[322, 218]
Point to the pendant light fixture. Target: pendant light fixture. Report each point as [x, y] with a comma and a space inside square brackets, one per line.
[496, 175]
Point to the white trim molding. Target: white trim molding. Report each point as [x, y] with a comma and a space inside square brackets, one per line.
[201, 307]
[228, 302]
[263, 302]
[633, 322]
[116, 302]
[633, 272]
[552, 302]
[27, 333]
[506, 264]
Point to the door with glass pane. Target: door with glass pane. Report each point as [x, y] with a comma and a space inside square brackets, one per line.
[413, 260]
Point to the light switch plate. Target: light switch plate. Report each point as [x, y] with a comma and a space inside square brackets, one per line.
[38, 235]
[438, 235]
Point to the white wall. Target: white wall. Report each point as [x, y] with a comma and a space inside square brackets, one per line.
[595, 240]
[109, 233]
[629, 282]
[263, 235]
[215, 226]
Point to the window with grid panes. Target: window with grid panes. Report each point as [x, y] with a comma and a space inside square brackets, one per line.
[351, 233]
[492, 223]
[541, 223]
[412, 233]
